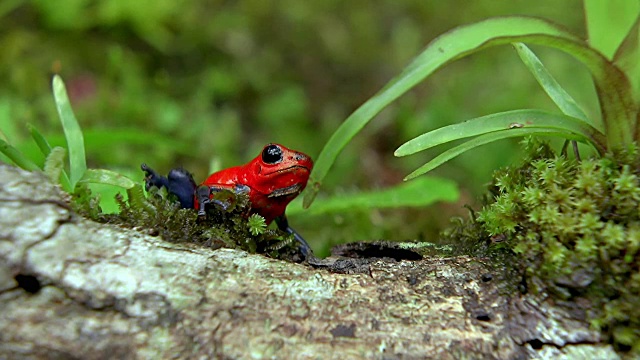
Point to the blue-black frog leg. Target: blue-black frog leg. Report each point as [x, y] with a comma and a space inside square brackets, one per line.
[178, 182]
[283, 224]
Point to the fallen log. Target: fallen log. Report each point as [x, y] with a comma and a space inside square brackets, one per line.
[74, 288]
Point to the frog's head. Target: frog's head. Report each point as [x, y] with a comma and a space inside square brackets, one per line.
[280, 172]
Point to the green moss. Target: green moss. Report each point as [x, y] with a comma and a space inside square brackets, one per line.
[160, 214]
[573, 228]
[257, 224]
[86, 204]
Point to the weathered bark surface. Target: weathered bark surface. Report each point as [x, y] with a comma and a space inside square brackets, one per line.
[72, 288]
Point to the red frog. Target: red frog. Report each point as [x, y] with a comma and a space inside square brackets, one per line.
[272, 180]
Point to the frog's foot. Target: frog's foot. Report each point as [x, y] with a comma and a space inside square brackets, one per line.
[305, 249]
[152, 178]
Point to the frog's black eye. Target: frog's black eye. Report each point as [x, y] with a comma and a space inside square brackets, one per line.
[272, 154]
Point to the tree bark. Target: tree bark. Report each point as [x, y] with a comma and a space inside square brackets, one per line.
[73, 288]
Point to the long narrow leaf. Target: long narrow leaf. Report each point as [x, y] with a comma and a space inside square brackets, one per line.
[608, 22]
[7, 122]
[411, 194]
[628, 58]
[54, 164]
[611, 84]
[9, 5]
[45, 148]
[96, 139]
[40, 140]
[558, 95]
[485, 139]
[17, 157]
[499, 122]
[107, 177]
[72, 131]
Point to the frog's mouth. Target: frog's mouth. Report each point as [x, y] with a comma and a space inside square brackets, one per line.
[289, 169]
[286, 191]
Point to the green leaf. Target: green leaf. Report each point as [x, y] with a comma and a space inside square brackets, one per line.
[419, 193]
[40, 140]
[17, 157]
[45, 148]
[608, 22]
[515, 119]
[549, 84]
[9, 5]
[627, 58]
[485, 139]
[54, 164]
[107, 177]
[138, 201]
[98, 139]
[8, 128]
[612, 86]
[72, 131]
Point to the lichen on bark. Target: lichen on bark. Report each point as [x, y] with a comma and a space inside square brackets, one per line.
[74, 288]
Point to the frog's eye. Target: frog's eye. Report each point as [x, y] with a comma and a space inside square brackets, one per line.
[272, 154]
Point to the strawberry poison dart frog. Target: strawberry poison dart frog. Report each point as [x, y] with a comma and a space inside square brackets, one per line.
[272, 180]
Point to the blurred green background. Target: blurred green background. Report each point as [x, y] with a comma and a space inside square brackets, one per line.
[205, 84]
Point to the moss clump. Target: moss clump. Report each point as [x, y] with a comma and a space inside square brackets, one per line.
[576, 228]
[160, 214]
[85, 203]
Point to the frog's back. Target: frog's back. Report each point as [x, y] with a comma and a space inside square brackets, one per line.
[226, 178]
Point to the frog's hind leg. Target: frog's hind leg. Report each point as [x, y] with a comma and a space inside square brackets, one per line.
[152, 178]
[182, 185]
[179, 182]
[283, 224]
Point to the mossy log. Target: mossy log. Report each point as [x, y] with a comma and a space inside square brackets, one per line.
[73, 288]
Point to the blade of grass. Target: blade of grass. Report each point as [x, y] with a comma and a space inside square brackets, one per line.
[558, 95]
[502, 121]
[108, 177]
[45, 148]
[54, 164]
[72, 131]
[608, 22]
[17, 157]
[485, 139]
[7, 123]
[411, 194]
[627, 57]
[611, 84]
[9, 5]
[40, 140]
[96, 139]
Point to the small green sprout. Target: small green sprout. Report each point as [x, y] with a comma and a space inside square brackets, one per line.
[257, 224]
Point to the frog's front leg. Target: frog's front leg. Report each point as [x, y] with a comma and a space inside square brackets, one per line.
[283, 224]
